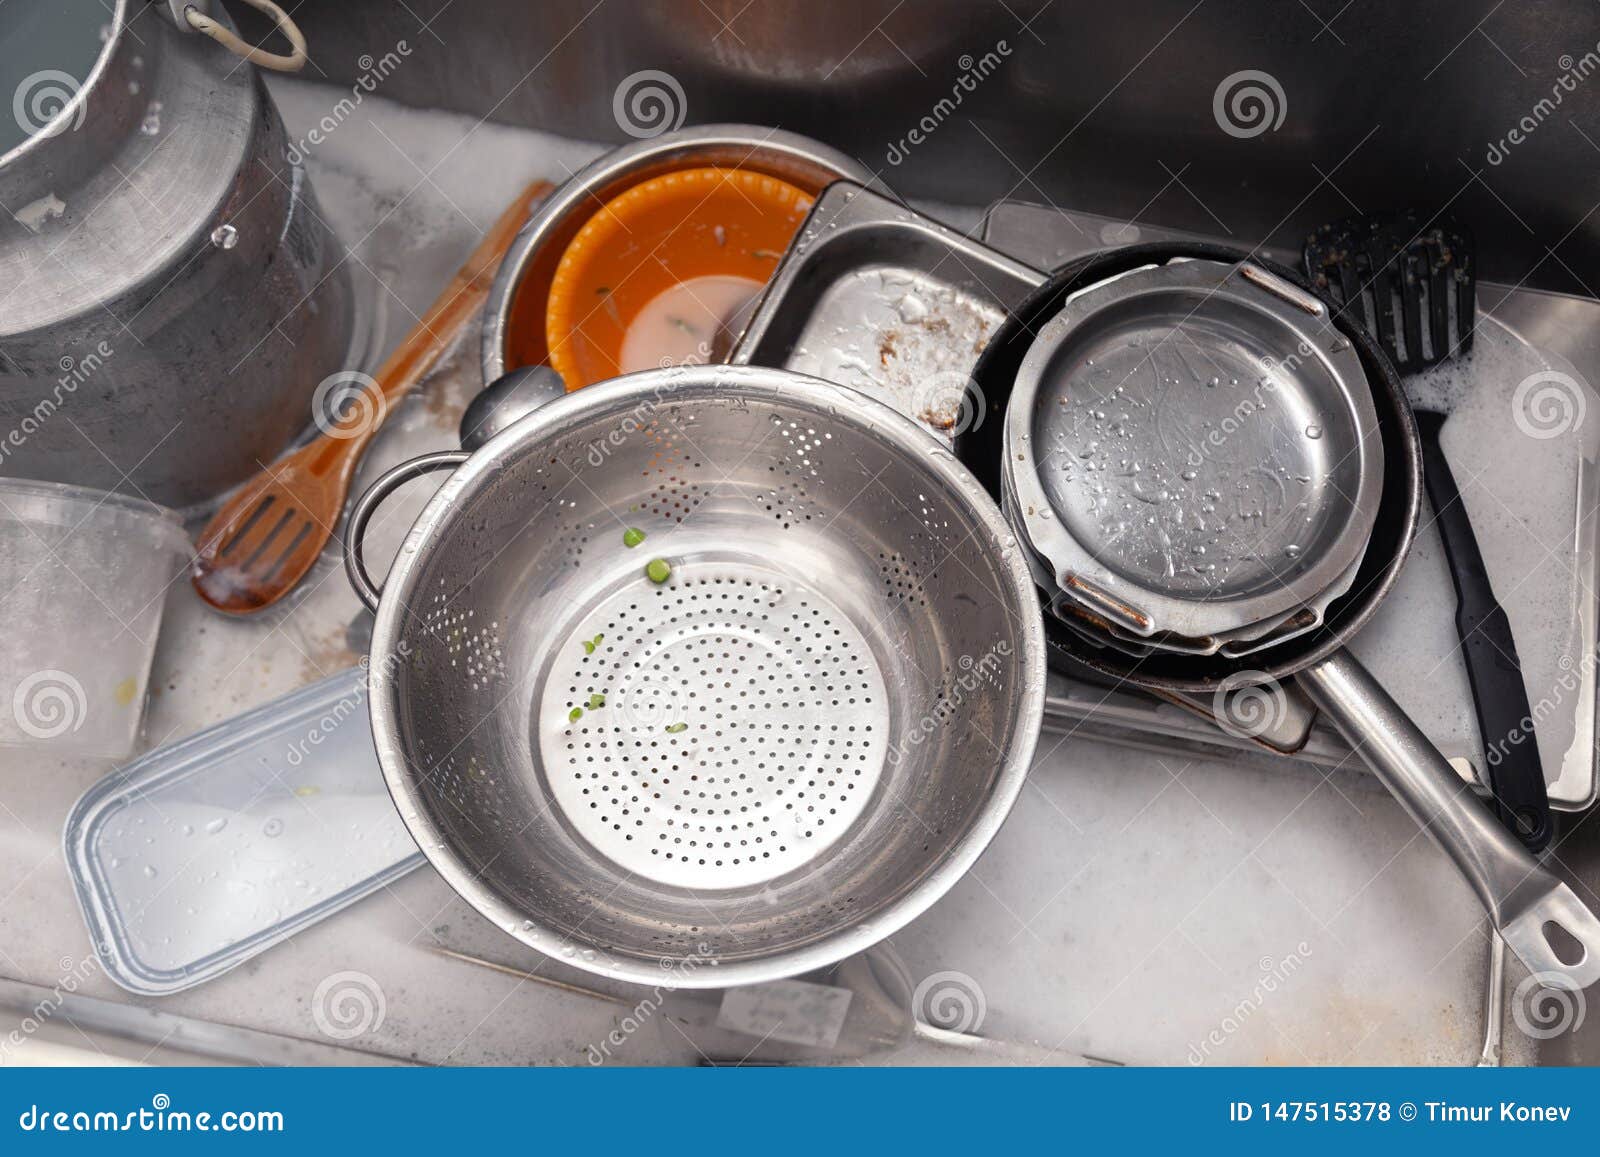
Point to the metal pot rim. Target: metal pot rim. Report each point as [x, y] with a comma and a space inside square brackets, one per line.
[618, 396]
[577, 194]
[71, 109]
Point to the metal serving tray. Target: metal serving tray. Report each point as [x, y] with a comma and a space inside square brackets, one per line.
[875, 296]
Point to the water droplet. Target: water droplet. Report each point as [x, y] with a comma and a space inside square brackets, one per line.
[225, 237]
[1313, 431]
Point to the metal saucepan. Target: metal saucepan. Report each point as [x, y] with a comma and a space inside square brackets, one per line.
[774, 756]
[1520, 896]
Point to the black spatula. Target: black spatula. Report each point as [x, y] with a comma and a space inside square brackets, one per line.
[1411, 282]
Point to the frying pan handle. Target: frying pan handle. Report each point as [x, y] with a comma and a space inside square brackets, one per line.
[1520, 896]
[355, 566]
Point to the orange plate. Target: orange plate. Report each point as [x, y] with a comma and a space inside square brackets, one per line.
[660, 233]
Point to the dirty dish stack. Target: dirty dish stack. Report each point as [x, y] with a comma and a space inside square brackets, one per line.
[1216, 481]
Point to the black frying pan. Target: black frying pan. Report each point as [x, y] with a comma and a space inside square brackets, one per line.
[1520, 897]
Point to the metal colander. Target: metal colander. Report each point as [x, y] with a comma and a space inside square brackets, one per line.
[767, 762]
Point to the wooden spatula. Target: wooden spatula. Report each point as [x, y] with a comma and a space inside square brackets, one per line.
[269, 534]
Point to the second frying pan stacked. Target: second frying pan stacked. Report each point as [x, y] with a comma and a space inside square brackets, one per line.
[1206, 467]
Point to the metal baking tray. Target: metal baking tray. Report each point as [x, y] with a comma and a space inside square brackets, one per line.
[878, 297]
[199, 855]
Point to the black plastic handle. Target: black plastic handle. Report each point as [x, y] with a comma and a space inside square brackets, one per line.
[1505, 721]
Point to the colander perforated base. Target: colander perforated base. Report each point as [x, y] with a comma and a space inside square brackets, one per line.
[743, 729]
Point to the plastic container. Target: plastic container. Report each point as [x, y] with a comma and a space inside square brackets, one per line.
[712, 236]
[83, 582]
[200, 855]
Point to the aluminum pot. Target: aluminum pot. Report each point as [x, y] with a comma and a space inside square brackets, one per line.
[513, 321]
[171, 294]
[754, 766]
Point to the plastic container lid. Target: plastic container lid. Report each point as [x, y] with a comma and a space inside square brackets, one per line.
[198, 856]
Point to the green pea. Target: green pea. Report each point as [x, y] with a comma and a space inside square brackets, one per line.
[632, 537]
[657, 570]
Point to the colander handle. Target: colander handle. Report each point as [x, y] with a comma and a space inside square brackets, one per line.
[354, 565]
[1520, 896]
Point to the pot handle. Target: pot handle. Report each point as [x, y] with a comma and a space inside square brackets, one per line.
[354, 565]
[193, 14]
[1520, 896]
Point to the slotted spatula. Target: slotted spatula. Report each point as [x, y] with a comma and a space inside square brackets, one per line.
[268, 535]
[1411, 280]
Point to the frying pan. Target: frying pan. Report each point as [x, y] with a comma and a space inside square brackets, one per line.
[1521, 898]
[1188, 445]
[1244, 641]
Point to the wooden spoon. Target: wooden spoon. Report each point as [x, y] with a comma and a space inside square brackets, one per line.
[268, 535]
